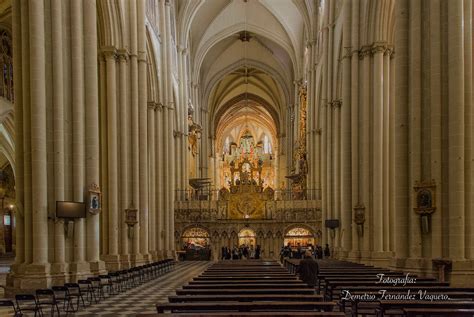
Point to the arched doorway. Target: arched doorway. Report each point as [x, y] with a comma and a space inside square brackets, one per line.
[299, 236]
[247, 237]
[196, 244]
[195, 238]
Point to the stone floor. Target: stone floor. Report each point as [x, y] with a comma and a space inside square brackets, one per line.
[142, 299]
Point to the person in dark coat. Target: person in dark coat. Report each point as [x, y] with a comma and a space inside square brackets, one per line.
[308, 269]
[327, 253]
[257, 252]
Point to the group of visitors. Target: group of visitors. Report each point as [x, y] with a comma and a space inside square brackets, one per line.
[298, 252]
[243, 252]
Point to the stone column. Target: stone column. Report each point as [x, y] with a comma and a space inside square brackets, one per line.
[38, 133]
[160, 192]
[135, 141]
[346, 194]
[172, 184]
[26, 94]
[104, 169]
[386, 148]
[19, 155]
[377, 143]
[364, 143]
[152, 178]
[355, 165]
[415, 133]
[143, 141]
[401, 189]
[92, 127]
[436, 123]
[58, 124]
[78, 113]
[166, 178]
[456, 141]
[112, 133]
[469, 167]
[124, 155]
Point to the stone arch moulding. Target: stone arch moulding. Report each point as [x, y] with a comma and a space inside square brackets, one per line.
[284, 83]
[203, 49]
[216, 118]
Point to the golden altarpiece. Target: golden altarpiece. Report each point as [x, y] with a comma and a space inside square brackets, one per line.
[247, 209]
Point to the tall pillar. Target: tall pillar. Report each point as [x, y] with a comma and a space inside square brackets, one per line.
[401, 188]
[152, 179]
[172, 184]
[38, 133]
[346, 179]
[19, 155]
[456, 159]
[143, 141]
[124, 156]
[112, 133]
[355, 122]
[377, 144]
[386, 149]
[26, 94]
[166, 178]
[160, 207]
[91, 126]
[469, 140]
[58, 126]
[78, 113]
[364, 154]
[415, 132]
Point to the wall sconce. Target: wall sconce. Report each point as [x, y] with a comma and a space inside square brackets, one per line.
[359, 218]
[425, 198]
[131, 219]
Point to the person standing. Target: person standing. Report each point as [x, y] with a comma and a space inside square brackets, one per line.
[308, 269]
[327, 252]
[257, 252]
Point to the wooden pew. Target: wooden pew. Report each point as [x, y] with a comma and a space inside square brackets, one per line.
[388, 308]
[307, 291]
[245, 298]
[245, 306]
[246, 286]
[337, 286]
[247, 314]
[441, 312]
[235, 281]
[248, 278]
[368, 307]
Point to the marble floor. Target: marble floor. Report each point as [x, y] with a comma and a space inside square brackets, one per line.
[142, 299]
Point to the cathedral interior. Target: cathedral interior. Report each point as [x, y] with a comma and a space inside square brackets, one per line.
[133, 131]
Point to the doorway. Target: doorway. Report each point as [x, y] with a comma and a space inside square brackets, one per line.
[247, 237]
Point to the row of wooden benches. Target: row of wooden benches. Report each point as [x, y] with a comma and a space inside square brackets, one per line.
[359, 290]
[247, 288]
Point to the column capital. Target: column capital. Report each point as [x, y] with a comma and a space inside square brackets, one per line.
[378, 47]
[390, 51]
[122, 55]
[108, 52]
[348, 53]
[337, 103]
[152, 105]
[142, 56]
[364, 51]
